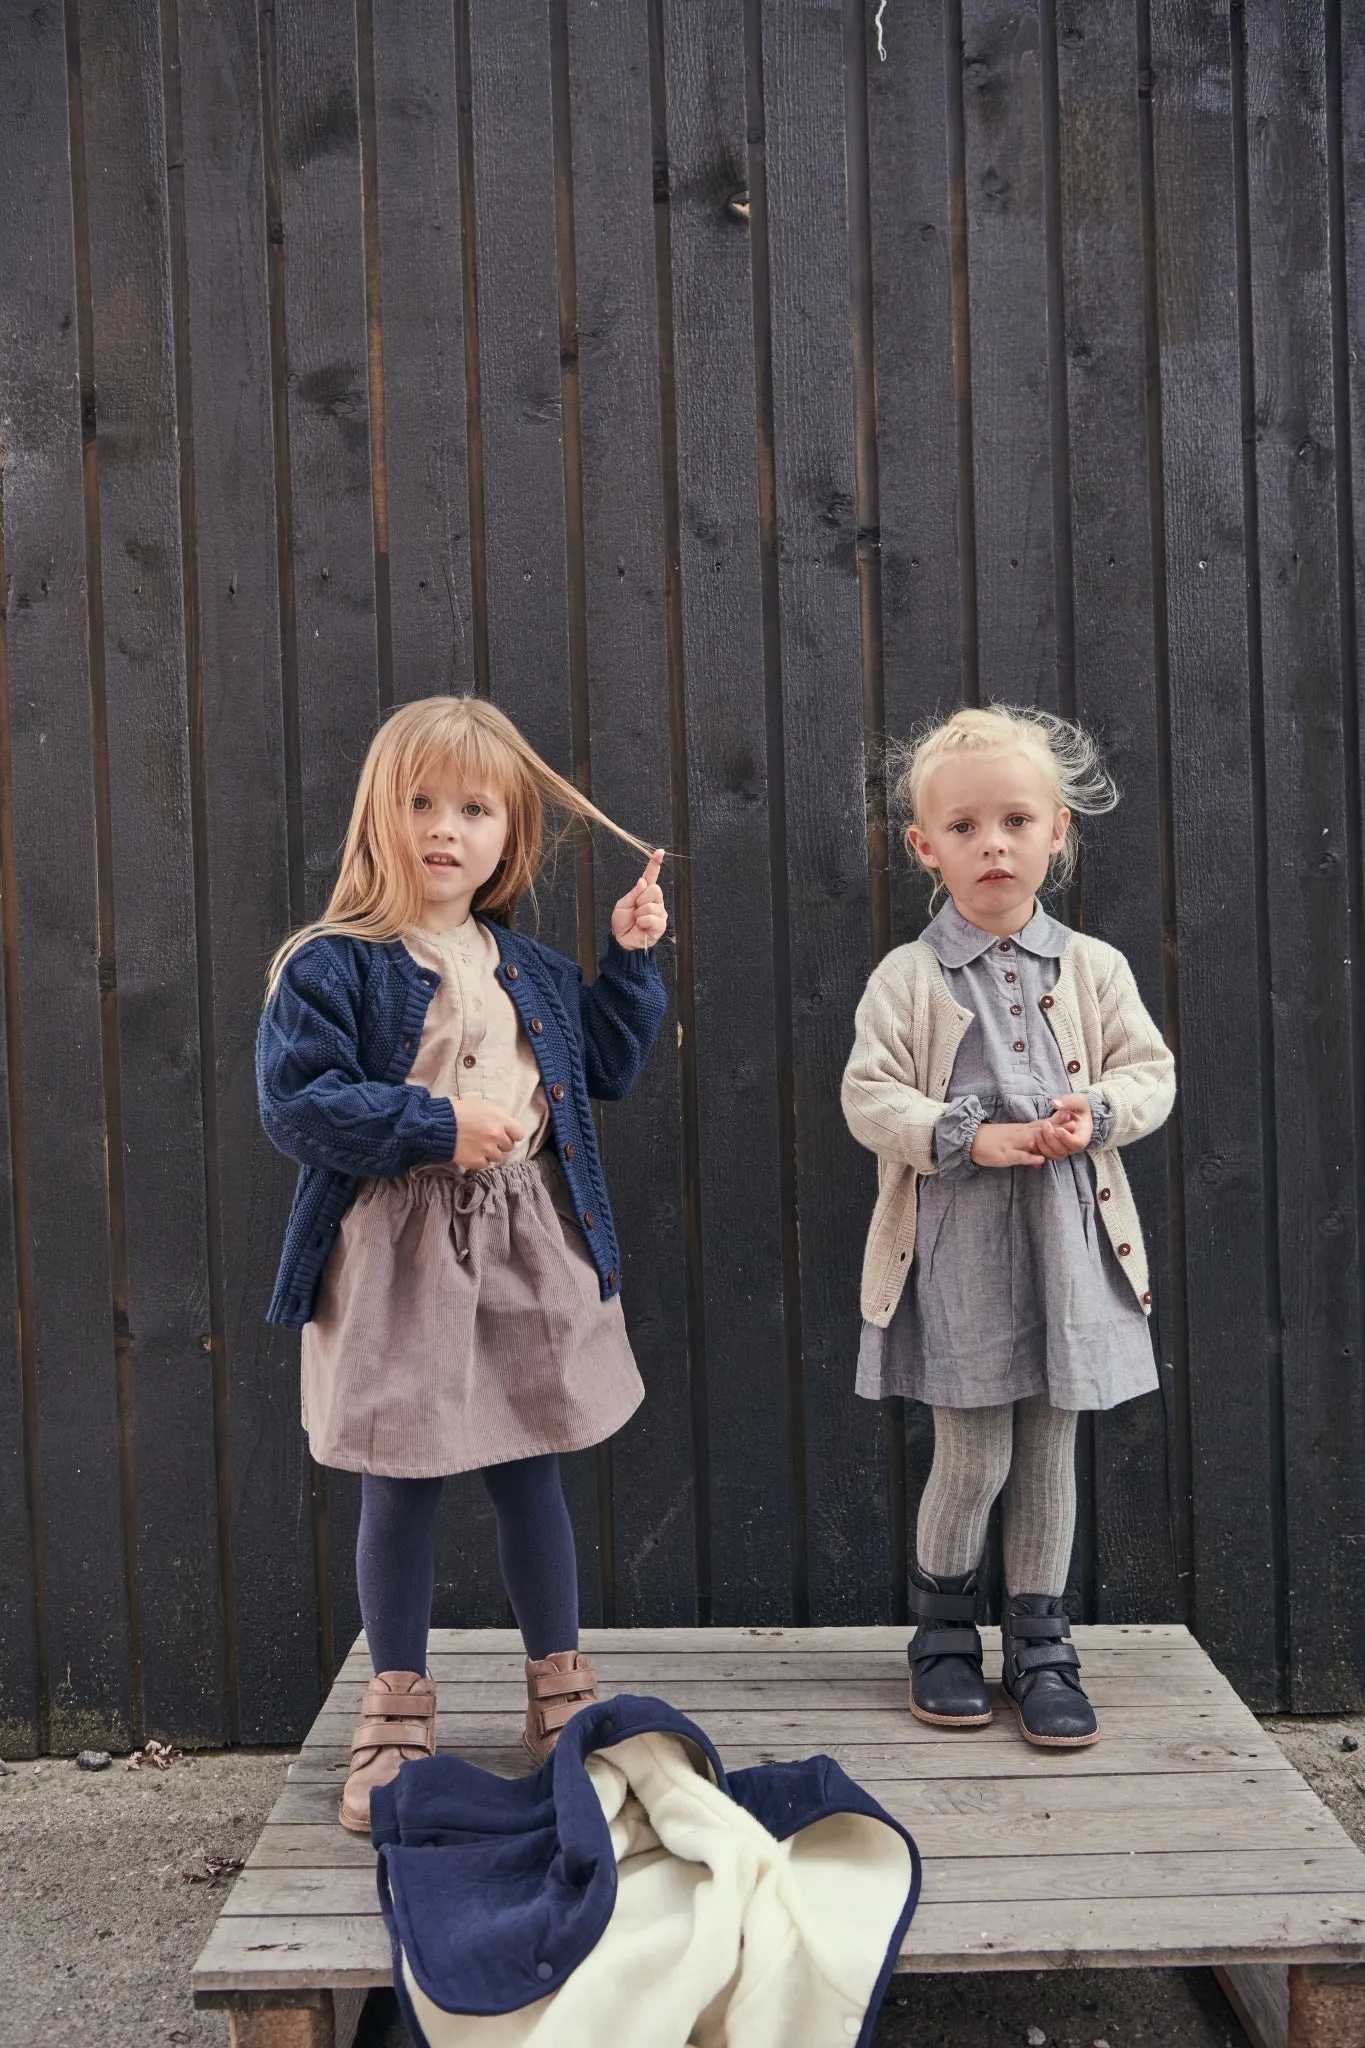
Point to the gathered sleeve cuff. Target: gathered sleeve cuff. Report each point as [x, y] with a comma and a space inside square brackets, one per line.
[1101, 1109]
[955, 1132]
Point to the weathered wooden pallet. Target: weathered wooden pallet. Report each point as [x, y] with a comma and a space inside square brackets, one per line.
[1183, 1838]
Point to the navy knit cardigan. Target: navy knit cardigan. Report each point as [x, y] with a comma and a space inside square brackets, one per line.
[340, 1034]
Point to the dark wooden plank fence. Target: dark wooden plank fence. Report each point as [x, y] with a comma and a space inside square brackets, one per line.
[718, 385]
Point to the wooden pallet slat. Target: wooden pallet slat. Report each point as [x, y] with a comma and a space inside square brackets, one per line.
[1158, 1847]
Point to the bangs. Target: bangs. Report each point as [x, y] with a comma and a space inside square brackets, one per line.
[478, 755]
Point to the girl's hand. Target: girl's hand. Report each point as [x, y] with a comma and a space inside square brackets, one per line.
[1069, 1129]
[1006, 1145]
[484, 1134]
[640, 919]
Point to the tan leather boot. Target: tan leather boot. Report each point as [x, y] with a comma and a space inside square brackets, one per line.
[398, 1725]
[556, 1687]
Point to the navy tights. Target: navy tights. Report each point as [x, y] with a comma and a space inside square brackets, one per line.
[395, 1565]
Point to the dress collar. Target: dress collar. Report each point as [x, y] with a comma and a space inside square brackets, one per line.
[957, 942]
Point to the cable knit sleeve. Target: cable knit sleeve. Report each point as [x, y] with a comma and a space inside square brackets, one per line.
[620, 1012]
[884, 1106]
[1137, 1080]
[316, 1103]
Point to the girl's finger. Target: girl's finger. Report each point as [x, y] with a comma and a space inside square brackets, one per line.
[651, 873]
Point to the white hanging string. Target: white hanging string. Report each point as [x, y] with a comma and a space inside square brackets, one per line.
[881, 40]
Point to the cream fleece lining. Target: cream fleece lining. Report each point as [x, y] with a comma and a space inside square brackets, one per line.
[721, 1937]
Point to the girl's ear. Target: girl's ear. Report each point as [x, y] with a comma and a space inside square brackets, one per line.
[918, 847]
[1061, 825]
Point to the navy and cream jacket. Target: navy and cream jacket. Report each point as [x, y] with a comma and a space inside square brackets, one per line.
[339, 1036]
[770, 1903]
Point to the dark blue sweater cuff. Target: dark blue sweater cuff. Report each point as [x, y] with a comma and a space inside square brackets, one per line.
[629, 963]
[441, 1134]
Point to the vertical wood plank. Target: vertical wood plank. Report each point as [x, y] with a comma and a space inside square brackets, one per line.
[86, 1624]
[1223, 970]
[521, 405]
[1310, 921]
[19, 1726]
[522, 426]
[1349, 146]
[422, 510]
[169, 1331]
[748, 1475]
[238, 764]
[917, 423]
[847, 1534]
[1011, 429]
[924, 456]
[333, 548]
[1115, 657]
[329, 406]
[427, 481]
[629, 711]
[427, 514]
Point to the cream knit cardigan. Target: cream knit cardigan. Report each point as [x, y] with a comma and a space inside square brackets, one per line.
[896, 1082]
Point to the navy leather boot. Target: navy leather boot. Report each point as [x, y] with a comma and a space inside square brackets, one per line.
[944, 1654]
[1041, 1678]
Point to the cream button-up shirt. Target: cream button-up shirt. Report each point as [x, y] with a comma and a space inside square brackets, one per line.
[472, 1040]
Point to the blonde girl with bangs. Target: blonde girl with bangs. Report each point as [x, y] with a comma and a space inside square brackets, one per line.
[450, 1256]
[1000, 1063]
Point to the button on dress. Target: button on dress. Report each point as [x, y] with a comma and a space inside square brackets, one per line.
[1015, 1289]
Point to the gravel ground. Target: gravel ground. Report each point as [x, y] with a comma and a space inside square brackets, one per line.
[101, 1924]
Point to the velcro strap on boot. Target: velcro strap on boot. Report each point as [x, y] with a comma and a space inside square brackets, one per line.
[389, 1732]
[551, 1685]
[933, 1606]
[379, 1700]
[1046, 1628]
[943, 1642]
[1048, 1657]
[552, 1715]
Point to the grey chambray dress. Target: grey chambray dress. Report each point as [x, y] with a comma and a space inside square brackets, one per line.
[1015, 1289]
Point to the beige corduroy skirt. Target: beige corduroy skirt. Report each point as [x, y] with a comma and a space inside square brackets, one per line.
[460, 1323]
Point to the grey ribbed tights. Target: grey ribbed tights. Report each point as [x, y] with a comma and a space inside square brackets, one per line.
[1028, 1449]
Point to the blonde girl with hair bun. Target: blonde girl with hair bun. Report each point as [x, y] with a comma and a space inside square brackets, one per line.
[450, 1256]
[1000, 1063]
